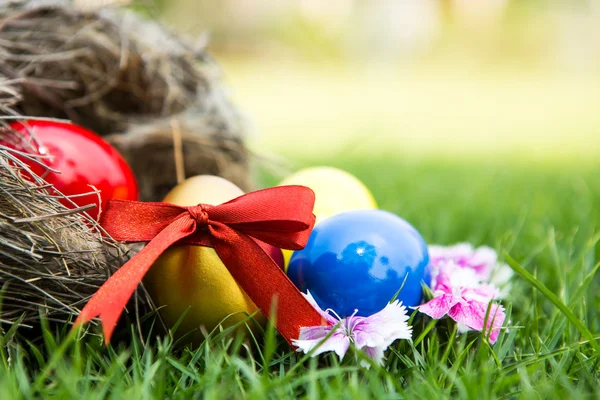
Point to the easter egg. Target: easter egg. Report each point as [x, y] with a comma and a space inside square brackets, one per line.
[194, 277]
[83, 161]
[335, 190]
[359, 260]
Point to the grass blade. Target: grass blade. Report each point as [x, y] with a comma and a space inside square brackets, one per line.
[555, 300]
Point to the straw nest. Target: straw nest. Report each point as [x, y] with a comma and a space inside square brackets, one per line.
[130, 80]
[127, 79]
[51, 258]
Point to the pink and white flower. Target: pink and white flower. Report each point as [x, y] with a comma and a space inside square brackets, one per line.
[459, 293]
[372, 334]
[482, 260]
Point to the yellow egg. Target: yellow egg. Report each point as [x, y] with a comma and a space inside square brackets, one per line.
[335, 190]
[194, 276]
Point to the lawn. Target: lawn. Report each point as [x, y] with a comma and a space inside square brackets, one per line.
[544, 216]
[542, 211]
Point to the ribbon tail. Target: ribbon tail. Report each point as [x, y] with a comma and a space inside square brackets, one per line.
[110, 300]
[265, 283]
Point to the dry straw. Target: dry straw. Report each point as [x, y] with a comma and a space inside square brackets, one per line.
[127, 79]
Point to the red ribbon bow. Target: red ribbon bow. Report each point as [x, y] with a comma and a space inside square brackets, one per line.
[280, 216]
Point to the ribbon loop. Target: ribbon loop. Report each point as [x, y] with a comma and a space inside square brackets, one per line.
[280, 216]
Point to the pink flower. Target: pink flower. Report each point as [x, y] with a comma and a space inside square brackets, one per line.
[459, 294]
[372, 334]
[482, 260]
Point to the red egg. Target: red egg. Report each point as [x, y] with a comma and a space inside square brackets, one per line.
[84, 162]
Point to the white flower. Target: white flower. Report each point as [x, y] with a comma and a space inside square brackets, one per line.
[372, 334]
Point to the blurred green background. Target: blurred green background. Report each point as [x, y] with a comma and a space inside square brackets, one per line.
[500, 79]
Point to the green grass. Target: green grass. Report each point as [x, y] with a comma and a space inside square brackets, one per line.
[545, 215]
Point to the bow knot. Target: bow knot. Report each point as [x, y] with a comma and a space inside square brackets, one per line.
[281, 217]
[200, 214]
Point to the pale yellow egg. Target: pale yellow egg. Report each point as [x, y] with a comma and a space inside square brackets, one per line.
[335, 190]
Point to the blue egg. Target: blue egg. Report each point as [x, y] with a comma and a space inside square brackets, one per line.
[359, 260]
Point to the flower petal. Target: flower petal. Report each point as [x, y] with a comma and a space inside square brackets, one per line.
[314, 332]
[483, 293]
[483, 261]
[451, 277]
[310, 337]
[314, 303]
[383, 328]
[375, 353]
[457, 251]
[501, 276]
[439, 306]
[473, 313]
